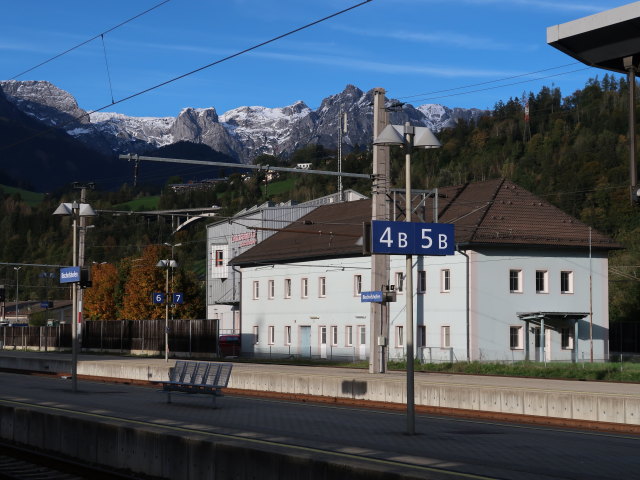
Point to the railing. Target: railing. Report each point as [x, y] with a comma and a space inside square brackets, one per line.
[186, 337]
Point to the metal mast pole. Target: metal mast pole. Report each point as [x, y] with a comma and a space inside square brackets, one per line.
[631, 68]
[380, 211]
[340, 154]
[75, 212]
[409, 284]
[166, 316]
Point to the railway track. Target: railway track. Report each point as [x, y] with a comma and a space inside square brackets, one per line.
[18, 463]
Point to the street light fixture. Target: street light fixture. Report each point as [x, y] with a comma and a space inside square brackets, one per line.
[172, 245]
[75, 210]
[408, 137]
[17, 269]
[166, 264]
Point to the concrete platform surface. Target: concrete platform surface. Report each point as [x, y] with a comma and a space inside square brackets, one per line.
[100, 422]
[605, 402]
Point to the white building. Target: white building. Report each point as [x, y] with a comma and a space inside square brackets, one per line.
[228, 238]
[522, 267]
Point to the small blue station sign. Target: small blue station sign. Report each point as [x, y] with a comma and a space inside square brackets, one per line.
[372, 297]
[70, 275]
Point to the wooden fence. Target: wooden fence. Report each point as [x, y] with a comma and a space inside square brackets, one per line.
[186, 337]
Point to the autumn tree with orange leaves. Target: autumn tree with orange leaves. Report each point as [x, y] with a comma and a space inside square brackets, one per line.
[143, 279]
[125, 291]
[99, 301]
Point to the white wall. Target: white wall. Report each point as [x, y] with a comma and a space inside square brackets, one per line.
[493, 308]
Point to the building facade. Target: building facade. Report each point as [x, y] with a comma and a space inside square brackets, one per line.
[526, 282]
[229, 238]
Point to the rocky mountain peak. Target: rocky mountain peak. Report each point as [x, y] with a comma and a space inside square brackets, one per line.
[242, 133]
[44, 101]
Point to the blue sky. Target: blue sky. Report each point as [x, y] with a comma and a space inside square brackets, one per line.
[415, 49]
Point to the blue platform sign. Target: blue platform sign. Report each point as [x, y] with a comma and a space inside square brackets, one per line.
[158, 297]
[412, 238]
[178, 298]
[373, 297]
[69, 274]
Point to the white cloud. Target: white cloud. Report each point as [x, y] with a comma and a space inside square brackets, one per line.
[439, 38]
[385, 67]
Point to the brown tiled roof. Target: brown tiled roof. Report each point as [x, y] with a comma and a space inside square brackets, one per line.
[494, 212]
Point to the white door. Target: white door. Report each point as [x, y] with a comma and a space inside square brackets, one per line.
[323, 342]
[305, 341]
[362, 342]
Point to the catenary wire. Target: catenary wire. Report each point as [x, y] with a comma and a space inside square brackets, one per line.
[489, 81]
[90, 39]
[192, 72]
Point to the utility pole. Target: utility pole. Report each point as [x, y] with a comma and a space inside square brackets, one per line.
[630, 65]
[81, 247]
[342, 128]
[379, 336]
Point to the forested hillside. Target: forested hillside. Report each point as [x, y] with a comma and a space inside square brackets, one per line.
[573, 152]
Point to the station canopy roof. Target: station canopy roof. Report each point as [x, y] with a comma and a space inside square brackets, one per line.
[602, 40]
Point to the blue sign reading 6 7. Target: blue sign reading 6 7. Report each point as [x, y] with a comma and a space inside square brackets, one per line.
[411, 238]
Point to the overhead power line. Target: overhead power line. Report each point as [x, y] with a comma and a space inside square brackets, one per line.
[184, 75]
[499, 86]
[492, 81]
[89, 40]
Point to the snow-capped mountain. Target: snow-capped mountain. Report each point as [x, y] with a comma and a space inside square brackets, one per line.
[242, 133]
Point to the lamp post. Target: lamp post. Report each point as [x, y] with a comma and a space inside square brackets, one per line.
[17, 269]
[166, 264]
[75, 210]
[408, 137]
[172, 245]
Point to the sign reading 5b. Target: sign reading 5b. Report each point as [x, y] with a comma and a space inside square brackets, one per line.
[411, 238]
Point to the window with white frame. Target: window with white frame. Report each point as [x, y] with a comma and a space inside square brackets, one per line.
[422, 336]
[322, 287]
[566, 334]
[515, 337]
[219, 258]
[542, 283]
[515, 281]
[271, 287]
[287, 335]
[422, 281]
[334, 336]
[445, 280]
[399, 336]
[348, 336]
[256, 289]
[357, 285]
[272, 334]
[287, 288]
[445, 336]
[304, 288]
[399, 282]
[256, 334]
[566, 282]
[323, 335]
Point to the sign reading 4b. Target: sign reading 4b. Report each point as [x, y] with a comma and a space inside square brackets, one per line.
[411, 238]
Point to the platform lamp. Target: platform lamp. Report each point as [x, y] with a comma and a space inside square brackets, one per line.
[408, 137]
[75, 210]
[167, 264]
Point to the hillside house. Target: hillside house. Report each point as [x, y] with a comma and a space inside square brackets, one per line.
[527, 281]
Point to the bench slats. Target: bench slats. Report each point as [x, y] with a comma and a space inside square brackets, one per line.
[197, 377]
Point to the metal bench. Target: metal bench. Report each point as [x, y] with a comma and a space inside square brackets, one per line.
[195, 377]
